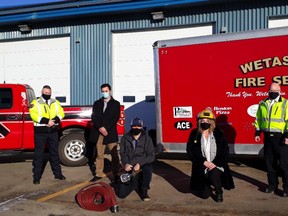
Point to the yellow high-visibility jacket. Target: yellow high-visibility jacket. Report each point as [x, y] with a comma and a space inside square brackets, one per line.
[41, 112]
[274, 119]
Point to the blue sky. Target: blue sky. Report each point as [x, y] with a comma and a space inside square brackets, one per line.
[13, 3]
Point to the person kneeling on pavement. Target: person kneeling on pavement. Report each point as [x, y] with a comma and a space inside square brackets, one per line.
[208, 151]
[137, 155]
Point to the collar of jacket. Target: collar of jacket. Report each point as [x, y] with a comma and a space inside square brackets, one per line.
[41, 101]
[280, 99]
[111, 98]
[131, 137]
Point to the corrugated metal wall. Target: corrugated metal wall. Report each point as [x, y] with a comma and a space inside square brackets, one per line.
[91, 37]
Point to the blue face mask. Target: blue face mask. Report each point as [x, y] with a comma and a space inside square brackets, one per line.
[105, 95]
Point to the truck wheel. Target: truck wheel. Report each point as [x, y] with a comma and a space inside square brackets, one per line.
[72, 150]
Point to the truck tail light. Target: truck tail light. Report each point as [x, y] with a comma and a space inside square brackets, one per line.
[122, 116]
[121, 122]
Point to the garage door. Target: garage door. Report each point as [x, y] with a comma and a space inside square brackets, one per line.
[37, 63]
[133, 69]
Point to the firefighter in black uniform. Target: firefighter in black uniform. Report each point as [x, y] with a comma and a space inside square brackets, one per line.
[46, 114]
[272, 119]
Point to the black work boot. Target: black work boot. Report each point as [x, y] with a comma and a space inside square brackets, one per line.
[219, 197]
[144, 196]
[285, 193]
[92, 168]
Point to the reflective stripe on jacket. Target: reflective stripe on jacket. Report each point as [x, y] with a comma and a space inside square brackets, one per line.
[274, 119]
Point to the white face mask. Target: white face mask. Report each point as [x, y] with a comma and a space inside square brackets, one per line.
[105, 95]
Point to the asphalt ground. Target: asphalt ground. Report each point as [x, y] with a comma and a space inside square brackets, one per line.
[169, 190]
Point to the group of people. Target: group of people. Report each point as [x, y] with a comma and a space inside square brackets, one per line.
[207, 147]
[136, 147]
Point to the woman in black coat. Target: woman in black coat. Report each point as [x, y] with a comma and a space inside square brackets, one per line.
[208, 151]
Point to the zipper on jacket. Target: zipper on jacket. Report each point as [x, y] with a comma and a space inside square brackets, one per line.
[275, 111]
[45, 109]
[269, 115]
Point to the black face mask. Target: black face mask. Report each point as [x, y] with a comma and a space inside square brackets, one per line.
[205, 126]
[273, 95]
[46, 97]
[135, 131]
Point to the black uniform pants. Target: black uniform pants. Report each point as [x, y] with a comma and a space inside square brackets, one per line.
[40, 140]
[139, 183]
[276, 156]
[214, 178]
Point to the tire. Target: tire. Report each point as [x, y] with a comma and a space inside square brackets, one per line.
[72, 150]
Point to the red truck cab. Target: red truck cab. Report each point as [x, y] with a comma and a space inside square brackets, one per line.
[17, 129]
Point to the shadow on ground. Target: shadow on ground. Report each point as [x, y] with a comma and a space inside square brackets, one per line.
[14, 156]
[175, 177]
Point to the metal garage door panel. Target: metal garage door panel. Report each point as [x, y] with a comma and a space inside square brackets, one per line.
[133, 67]
[37, 63]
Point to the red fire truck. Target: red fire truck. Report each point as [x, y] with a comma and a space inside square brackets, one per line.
[16, 126]
[230, 73]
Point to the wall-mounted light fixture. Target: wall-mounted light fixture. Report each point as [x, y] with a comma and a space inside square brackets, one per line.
[223, 29]
[77, 40]
[25, 28]
[159, 15]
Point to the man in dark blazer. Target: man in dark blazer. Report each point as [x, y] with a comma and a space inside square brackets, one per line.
[105, 115]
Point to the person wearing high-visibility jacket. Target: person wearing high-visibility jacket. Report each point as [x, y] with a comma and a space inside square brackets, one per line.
[46, 114]
[272, 120]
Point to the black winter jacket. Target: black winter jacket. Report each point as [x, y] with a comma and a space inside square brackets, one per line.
[143, 153]
[195, 155]
[108, 120]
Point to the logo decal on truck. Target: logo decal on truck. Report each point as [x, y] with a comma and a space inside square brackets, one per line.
[252, 110]
[183, 125]
[182, 112]
[4, 131]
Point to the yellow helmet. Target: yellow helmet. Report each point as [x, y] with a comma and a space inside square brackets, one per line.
[206, 113]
